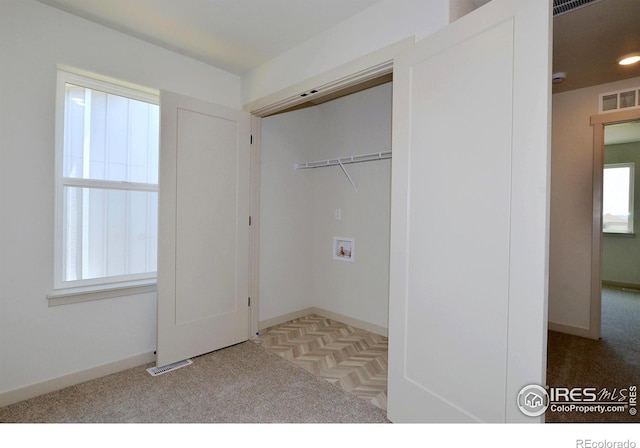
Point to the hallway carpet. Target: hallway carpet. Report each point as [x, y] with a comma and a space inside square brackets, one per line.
[612, 362]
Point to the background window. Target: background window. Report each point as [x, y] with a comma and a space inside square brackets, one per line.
[617, 198]
[107, 182]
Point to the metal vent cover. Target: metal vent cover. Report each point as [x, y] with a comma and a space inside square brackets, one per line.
[619, 100]
[564, 6]
[155, 371]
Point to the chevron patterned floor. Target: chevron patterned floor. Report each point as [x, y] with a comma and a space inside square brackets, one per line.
[350, 358]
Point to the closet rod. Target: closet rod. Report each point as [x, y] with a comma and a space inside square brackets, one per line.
[345, 160]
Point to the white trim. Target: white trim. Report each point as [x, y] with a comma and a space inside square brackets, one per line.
[58, 268]
[103, 283]
[254, 228]
[598, 122]
[91, 78]
[54, 384]
[88, 293]
[373, 328]
[108, 184]
[106, 84]
[363, 69]
[381, 69]
[597, 174]
[572, 330]
[620, 285]
[114, 87]
[284, 318]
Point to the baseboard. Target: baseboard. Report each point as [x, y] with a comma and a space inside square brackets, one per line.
[570, 329]
[325, 313]
[622, 285]
[284, 318]
[351, 321]
[34, 390]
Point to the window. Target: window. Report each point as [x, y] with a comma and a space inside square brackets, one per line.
[106, 182]
[617, 198]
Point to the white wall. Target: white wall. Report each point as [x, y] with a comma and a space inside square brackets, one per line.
[571, 203]
[297, 269]
[286, 213]
[356, 124]
[379, 26]
[38, 342]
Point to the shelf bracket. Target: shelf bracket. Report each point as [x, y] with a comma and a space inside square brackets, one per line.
[348, 177]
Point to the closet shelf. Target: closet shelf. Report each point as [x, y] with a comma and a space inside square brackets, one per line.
[345, 160]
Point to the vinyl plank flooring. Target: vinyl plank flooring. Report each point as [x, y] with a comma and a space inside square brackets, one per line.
[350, 358]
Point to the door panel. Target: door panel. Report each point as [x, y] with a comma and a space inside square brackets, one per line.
[458, 302]
[203, 233]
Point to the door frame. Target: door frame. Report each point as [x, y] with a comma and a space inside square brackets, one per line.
[254, 225]
[598, 122]
[371, 66]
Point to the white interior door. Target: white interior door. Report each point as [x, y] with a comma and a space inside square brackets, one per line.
[203, 228]
[468, 285]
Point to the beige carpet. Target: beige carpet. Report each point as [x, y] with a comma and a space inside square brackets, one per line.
[240, 384]
[612, 362]
[247, 384]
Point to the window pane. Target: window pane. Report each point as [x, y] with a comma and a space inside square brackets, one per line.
[109, 232]
[616, 200]
[109, 137]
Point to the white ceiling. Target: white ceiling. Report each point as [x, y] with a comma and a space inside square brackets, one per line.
[234, 35]
[238, 35]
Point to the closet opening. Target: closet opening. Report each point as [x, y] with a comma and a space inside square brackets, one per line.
[323, 185]
[302, 211]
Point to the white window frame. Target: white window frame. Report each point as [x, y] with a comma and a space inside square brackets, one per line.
[102, 287]
[631, 166]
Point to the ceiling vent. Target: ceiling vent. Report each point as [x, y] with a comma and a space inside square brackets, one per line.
[620, 100]
[564, 6]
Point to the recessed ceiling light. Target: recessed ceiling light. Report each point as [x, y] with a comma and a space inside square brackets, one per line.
[629, 59]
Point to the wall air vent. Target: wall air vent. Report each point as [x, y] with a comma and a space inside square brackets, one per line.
[155, 371]
[620, 100]
[564, 6]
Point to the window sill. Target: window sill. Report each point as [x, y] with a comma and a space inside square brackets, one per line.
[99, 292]
[620, 235]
